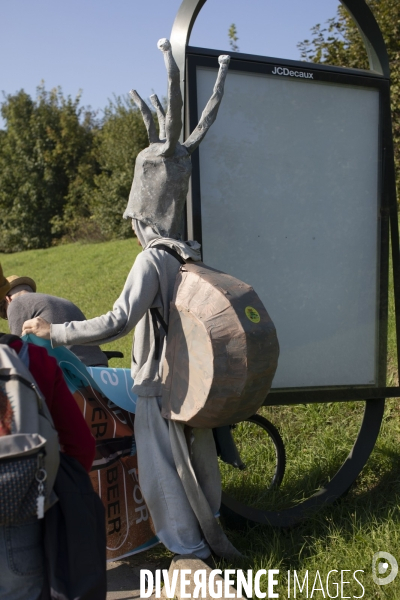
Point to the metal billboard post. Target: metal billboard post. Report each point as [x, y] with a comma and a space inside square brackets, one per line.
[375, 84]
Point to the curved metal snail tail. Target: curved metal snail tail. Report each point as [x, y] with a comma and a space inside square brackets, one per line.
[210, 112]
[173, 118]
[160, 114]
[147, 117]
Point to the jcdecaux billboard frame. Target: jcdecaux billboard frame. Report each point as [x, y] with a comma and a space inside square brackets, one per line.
[293, 191]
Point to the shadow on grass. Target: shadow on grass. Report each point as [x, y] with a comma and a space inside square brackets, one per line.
[369, 504]
[292, 492]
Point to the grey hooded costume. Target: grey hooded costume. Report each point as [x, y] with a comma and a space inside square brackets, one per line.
[150, 283]
[182, 492]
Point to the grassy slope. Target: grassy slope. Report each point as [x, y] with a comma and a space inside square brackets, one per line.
[317, 439]
[91, 275]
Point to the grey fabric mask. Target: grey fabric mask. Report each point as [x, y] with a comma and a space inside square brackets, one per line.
[162, 171]
[145, 233]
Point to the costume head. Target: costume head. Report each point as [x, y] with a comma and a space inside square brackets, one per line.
[162, 171]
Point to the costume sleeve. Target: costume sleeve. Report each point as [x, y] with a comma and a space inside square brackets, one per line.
[136, 298]
[73, 432]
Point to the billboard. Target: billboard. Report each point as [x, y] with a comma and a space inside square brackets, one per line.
[286, 195]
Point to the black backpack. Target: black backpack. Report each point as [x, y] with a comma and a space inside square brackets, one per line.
[75, 538]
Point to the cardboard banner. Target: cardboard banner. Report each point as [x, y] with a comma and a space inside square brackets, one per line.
[114, 474]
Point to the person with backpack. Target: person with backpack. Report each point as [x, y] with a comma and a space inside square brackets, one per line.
[183, 509]
[22, 571]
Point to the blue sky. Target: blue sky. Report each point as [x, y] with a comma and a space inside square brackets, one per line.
[106, 47]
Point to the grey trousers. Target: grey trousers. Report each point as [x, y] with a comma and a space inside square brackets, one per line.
[174, 520]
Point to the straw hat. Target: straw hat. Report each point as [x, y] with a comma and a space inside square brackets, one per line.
[4, 285]
[15, 280]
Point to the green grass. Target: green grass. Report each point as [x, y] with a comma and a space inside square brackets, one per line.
[91, 275]
[344, 536]
[317, 439]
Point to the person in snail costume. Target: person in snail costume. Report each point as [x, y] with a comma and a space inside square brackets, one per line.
[178, 470]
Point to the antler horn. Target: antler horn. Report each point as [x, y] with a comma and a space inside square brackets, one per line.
[210, 112]
[160, 114]
[173, 118]
[147, 117]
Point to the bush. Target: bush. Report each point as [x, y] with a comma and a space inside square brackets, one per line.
[44, 153]
[65, 176]
[117, 143]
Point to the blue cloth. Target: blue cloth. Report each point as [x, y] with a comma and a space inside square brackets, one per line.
[115, 384]
[21, 561]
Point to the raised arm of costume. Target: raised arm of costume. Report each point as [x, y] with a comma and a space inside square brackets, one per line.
[136, 298]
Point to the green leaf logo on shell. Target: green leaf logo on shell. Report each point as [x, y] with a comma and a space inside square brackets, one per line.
[252, 314]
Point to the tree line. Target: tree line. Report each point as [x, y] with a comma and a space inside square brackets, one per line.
[339, 43]
[65, 174]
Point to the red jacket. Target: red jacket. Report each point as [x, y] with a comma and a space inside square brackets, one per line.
[73, 432]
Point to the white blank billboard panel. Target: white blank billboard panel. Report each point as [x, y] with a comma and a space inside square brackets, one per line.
[289, 203]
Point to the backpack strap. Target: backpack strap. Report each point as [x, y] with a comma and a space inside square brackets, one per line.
[8, 338]
[172, 252]
[156, 317]
[23, 355]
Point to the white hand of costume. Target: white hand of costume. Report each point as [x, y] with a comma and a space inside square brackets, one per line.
[37, 326]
